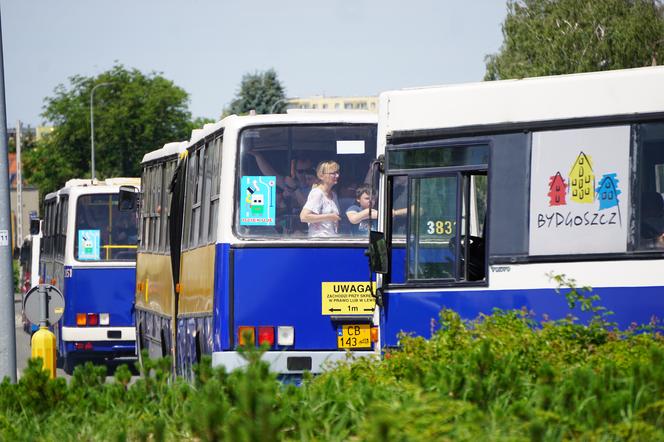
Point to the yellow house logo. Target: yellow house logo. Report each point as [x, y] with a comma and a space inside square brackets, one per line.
[582, 180]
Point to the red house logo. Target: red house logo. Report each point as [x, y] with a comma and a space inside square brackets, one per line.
[557, 190]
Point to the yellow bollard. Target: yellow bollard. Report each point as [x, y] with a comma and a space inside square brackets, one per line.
[43, 346]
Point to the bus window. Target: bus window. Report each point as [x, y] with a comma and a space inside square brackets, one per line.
[650, 170]
[103, 233]
[446, 227]
[289, 156]
[433, 228]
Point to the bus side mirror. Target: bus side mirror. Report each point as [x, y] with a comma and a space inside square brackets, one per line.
[34, 226]
[127, 198]
[377, 252]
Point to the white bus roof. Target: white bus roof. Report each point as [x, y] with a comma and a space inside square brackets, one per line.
[94, 187]
[301, 117]
[575, 96]
[118, 181]
[167, 150]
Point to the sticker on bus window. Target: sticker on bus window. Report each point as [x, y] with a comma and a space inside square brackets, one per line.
[579, 197]
[257, 206]
[89, 245]
[345, 147]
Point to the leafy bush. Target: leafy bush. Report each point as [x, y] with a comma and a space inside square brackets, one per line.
[500, 377]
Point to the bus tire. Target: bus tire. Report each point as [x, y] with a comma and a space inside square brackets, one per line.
[164, 348]
[139, 349]
[69, 364]
[198, 348]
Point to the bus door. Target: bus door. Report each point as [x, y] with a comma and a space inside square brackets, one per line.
[437, 233]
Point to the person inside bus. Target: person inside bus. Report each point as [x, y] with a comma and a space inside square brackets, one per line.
[358, 214]
[299, 181]
[294, 188]
[652, 220]
[321, 210]
[124, 231]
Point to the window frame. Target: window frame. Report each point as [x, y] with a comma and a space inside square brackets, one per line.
[260, 240]
[215, 194]
[108, 194]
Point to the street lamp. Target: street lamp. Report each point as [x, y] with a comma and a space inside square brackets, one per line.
[92, 127]
[274, 106]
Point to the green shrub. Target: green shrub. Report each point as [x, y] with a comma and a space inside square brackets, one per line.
[498, 377]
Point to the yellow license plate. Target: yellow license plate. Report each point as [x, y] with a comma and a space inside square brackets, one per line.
[354, 336]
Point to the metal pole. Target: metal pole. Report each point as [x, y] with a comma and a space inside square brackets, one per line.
[19, 187]
[92, 129]
[43, 305]
[7, 320]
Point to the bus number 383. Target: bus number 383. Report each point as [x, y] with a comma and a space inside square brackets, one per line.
[439, 227]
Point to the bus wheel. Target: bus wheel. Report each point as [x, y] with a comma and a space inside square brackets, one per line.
[69, 363]
[139, 348]
[198, 348]
[164, 348]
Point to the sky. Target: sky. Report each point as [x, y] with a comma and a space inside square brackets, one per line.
[331, 47]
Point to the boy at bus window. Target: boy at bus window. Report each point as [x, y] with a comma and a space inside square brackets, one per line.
[358, 214]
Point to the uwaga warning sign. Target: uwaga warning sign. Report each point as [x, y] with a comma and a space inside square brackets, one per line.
[348, 298]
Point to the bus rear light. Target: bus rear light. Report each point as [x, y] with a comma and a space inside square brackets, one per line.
[93, 319]
[374, 334]
[104, 319]
[266, 335]
[245, 335]
[81, 319]
[285, 335]
[83, 345]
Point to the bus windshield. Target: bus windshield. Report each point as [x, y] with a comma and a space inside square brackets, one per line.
[103, 233]
[279, 166]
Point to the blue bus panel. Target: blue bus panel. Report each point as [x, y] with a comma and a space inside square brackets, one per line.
[100, 290]
[283, 287]
[418, 312]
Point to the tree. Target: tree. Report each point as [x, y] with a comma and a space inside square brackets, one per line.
[134, 114]
[262, 92]
[549, 37]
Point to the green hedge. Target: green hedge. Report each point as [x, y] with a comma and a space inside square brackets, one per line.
[498, 377]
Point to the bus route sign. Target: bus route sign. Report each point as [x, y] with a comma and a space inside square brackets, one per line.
[348, 298]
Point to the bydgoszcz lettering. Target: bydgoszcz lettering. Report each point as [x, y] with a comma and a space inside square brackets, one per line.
[569, 219]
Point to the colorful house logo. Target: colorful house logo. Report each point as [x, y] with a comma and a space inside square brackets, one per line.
[557, 190]
[607, 191]
[581, 186]
[582, 180]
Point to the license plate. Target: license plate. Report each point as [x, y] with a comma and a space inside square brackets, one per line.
[354, 336]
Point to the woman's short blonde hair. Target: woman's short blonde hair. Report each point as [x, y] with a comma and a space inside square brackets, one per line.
[325, 167]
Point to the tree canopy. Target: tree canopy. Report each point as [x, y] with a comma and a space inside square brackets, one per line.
[260, 91]
[549, 37]
[134, 114]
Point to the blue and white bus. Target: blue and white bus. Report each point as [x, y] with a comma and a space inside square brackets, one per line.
[505, 183]
[224, 254]
[89, 253]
